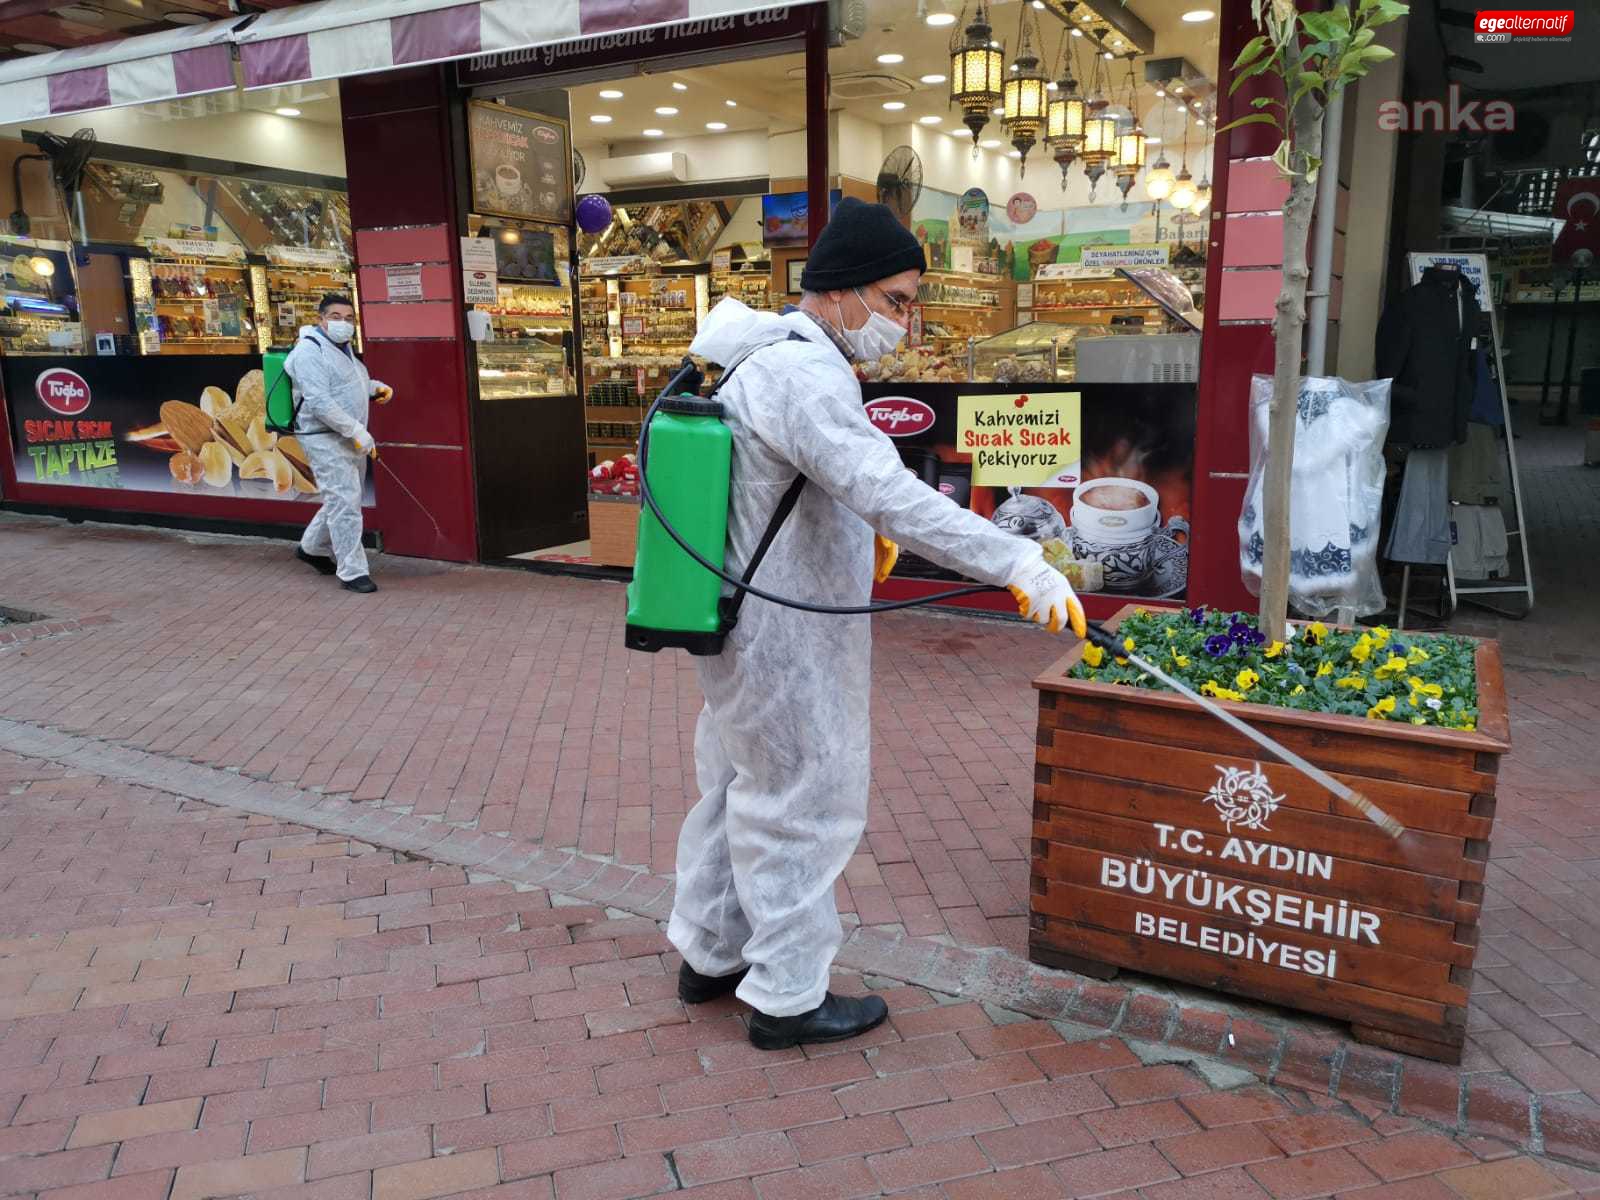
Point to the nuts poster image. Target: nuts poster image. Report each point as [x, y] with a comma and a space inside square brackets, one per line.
[193, 426]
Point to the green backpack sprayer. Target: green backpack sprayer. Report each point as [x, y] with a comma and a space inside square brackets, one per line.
[676, 600]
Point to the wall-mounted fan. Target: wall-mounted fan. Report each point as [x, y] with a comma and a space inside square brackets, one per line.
[900, 181]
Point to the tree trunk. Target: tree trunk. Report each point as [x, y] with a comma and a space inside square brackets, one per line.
[1287, 327]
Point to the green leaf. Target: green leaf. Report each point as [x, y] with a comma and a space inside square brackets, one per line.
[1252, 48]
[1376, 54]
[1362, 38]
[1321, 26]
[1263, 101]
[1251, 119]
[1255, 68]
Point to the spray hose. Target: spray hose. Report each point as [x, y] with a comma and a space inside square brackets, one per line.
[846, 610]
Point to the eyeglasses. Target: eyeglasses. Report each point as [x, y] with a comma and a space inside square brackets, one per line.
[900, 304]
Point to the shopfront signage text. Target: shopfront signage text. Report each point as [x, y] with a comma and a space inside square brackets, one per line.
[62, 391]
[781, 22]
[1126, 256]
[1021, 439]
[194, 248]
[402, 283]
[900, 416]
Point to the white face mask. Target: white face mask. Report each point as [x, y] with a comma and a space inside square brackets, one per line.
[879, 336]
[341, 331]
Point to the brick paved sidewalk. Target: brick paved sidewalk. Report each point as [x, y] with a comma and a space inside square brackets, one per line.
[197, 1003]
[501, 702]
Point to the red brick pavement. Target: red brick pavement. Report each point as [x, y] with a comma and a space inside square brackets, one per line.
[196, 1003]
[503, 702]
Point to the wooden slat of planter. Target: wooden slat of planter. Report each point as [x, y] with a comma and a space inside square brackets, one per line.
[1420, 942]
[1353, 838]
[1428, 896]
[1427, 808]
[1169, 720]
[1332, 997]
[1381, 972]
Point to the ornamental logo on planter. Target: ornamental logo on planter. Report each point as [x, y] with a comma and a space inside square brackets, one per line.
[62, 391]
[1243, 797]
[900, 416]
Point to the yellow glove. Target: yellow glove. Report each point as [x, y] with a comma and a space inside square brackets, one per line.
[884, 555]
[382, 393]
[1045, 597]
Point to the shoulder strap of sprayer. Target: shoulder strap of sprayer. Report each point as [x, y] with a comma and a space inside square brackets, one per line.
[730, 605]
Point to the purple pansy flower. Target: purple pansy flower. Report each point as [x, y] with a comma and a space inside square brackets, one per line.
[1218, 644]
[1198, 614]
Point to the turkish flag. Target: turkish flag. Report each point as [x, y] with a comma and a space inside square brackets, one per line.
[1578, 204]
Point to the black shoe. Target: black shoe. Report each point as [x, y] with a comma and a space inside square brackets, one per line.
[834, 1020]
[695, 988]
[361, 583]
[324, 565]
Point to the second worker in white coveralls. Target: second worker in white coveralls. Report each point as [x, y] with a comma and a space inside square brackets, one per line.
[331, 391]
[782, 745]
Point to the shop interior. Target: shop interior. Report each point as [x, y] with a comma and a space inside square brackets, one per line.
[1060, 186]
[173, 246]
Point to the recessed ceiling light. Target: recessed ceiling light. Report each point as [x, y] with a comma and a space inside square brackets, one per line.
[941, 18]
[1000, 112]
[666, 110]
[80, 12]
[33, 48]
[610, 94]
[1051, 86]
[1177, 87]
[731, 103]
[600, 119]
[177, 18]
[1196, 15]
[933, 79]
[1038, 3]
[652, 133]
[679, 87]
[1152, 141]
[930, 120]
[1108, 54]
[1077, 33]
[716, 125]
[1016, 154]
[990, 143]
[894, 105]
[287, 112]
[889, 60]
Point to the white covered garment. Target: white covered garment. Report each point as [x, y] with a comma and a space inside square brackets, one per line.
[1335, 494]
[332, 388]
[783, 743]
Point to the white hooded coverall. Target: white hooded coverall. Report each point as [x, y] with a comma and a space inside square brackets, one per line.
[332, 389]
[782, 748]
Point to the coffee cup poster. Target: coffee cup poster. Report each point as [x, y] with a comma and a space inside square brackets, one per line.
[1101, 475]
[200, 431]
[521, 164]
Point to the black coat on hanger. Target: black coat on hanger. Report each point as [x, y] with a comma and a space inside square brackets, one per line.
[1425, 344]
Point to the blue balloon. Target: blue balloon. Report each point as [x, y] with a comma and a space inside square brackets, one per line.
[594, 213]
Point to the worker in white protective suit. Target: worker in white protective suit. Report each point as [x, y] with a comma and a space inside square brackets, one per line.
[331, 391]
[782, 746]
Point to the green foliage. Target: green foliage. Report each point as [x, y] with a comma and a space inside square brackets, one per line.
[1419, 679]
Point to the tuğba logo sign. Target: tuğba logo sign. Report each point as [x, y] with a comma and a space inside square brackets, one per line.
[900, 416]
[62, 391]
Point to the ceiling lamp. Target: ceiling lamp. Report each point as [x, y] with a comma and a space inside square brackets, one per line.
[1099, 130]
[1202, 196]
[1184, 191]
[1025, 94]
[977, 72]
[1130, 157]
[1065, 116]
[1158, 179]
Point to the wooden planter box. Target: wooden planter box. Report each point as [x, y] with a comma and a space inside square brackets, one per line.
[1300, 902]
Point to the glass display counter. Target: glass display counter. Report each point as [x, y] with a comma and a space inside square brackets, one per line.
[38, 288]
[1038, 352]
[291, 286]
[195, 297]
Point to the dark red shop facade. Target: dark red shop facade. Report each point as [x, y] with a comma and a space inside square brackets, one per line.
[481, 478]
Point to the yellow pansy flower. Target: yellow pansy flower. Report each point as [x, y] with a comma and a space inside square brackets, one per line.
[1381, 710]
[1427, 689]
[1315, 632]
[1209, 688]
[1362, 650]
[1299, 689]
[1093, 655]
[1247, 679]
[1417, 655]
[1275, 649]
[1351, 681]
[1325, 669]
[1169, 633]
[1380, 635]
[1419, 720]
[1394, 666]
[1181, 659]
[1128, 644]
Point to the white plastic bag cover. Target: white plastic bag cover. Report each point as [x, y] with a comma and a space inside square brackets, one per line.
[1335, 494]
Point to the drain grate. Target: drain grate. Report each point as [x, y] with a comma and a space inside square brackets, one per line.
[19, 616]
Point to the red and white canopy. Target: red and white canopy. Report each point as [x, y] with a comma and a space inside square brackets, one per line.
[325, 40]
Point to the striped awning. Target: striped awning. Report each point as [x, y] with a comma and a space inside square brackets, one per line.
[329, 39]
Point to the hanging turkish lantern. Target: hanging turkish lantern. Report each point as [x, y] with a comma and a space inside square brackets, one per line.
[1184, 191]
[1065, 115]
[1130, 156]
[977, 72]
[1202, 196]
[1026, 91]
[1099, 131]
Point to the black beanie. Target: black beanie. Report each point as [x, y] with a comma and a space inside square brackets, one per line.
[861, 244]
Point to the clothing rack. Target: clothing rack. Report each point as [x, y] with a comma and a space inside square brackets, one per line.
[1476, 267]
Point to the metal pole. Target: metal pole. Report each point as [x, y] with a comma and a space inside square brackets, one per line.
[1572, 343]
[816, 123]
[1549, 351]
[1317, 299]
